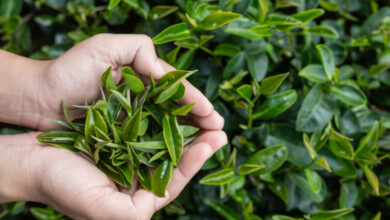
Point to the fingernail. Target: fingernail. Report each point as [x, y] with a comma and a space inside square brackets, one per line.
[159, 70]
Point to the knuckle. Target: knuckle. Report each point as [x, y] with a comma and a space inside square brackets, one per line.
[146, 39]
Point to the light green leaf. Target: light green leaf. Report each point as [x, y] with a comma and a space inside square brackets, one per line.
[246, 169]
[245, 91]
[184, 110]
[270, 84]
[218, 19]
[331, 214]
[372, 179]
[308, 15]
[263, 10]
[172, 33]
[173, 138]
[160, 11]
[309, 147]
[314, 180]
[161, 177]
[220, 177]
[322, 31]
[113, 3]
[224, 210]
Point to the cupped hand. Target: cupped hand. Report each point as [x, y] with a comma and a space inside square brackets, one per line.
[77, 188]
[75, 77]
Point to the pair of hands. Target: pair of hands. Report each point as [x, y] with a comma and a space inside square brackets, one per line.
[64, 179]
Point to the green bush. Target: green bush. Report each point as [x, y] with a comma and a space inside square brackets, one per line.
[303, 86]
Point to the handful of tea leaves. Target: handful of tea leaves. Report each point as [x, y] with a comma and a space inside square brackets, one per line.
[148, 137]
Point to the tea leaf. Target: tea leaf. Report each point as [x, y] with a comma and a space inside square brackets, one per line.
[308, 15]
[246, 169]
[161, 177]
[314, 73]
[327, 60]
[350, 95]
[173, 138]
[218, 19]
[107, 80]
[275, 105]
[131, 128]
[271, 158]
[270, 84]
[220, 177]
[372, 179]
[172, 33]
[184, 110]
[331, 214]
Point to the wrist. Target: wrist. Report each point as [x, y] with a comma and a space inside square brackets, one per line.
[19, 90]
[18, 176]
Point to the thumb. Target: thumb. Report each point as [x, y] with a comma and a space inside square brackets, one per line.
[136, 50]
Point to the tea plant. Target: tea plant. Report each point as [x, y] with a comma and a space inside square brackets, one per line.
[302, 84]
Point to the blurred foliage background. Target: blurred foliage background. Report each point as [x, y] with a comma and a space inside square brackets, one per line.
[311, 144]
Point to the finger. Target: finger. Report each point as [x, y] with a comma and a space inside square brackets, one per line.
[136, 50]
[191, 162]
[212, 122]
[202, 107]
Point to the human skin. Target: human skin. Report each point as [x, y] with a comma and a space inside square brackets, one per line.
[31, 92]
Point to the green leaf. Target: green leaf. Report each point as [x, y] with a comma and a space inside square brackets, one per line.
[304, 185]
[348, 195]
[263, 10]
[284, 217]
[167, 94]
[279, 19]
[234, 65]
[133, 82]
[271, 158]
[148, 145]
[327, 60]
[323, 163]
[58, 138]
[224, 210]
[257, 65]
[368, 142]
[341, 148]
[309, 147]
[172, 33]
[322, 31]
[160, 11]
[161, 177]
[270, 84]
[131, 128]
[262, 30]
[314, 180]
[107, 80]
[113, 3]
[246, 169]
[275, 105]
[280, 189]
[225, 49]
[315, 111]
[220, 177]
[314, 73]
[378, 69]
[372, 179]
[67, 118]
[184, 110]
[331, 214]
[157, 155]
[82, 145]
[218, 19]
[174, 77]
[125, 102]
[185, 60]
[127, 172]
[245, 91]
[93, 122]
[145, 177]
[173, 138]
[350, 95]
[308, 15]
[10, 8]
[188, 131]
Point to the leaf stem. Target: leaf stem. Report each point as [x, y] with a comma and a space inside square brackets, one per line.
[250, 118]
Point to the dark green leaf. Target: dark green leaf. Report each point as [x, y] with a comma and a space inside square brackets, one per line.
[314, 73]
[350, 95]
[327, 60]
[271, 158]
[131, 128]
[275, 105]
[331, 214]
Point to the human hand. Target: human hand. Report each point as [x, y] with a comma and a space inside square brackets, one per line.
[77, 188]
[75, 77]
